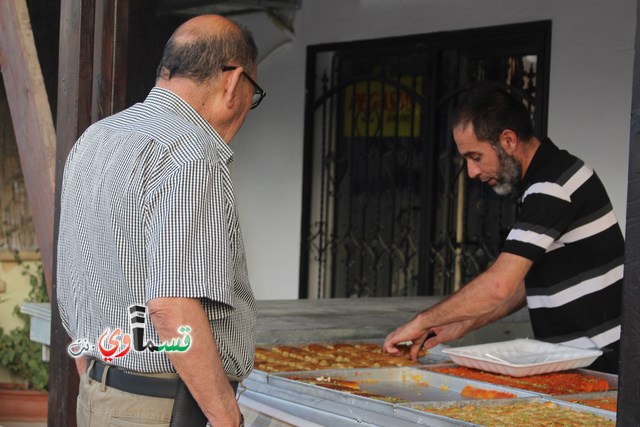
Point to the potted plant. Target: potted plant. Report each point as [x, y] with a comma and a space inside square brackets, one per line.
[25, 401]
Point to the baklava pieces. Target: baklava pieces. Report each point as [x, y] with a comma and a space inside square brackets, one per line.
[315, 356]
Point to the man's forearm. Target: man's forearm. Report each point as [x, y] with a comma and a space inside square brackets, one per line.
[200, 367]
[492, 295]
[516, 302]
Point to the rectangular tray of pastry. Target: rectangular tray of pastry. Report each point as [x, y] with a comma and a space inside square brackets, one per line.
[607, 400]
[364, 410]
[377, 396]
[388, 385]
[554, 384]
[399, 385]
[336, 355]
[509, 413]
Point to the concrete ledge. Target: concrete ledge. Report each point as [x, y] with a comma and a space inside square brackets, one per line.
[364, 318]
[289, 321]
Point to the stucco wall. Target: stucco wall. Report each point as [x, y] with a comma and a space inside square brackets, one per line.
[589, 102]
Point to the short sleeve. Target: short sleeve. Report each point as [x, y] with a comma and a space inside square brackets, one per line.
[545, 213]
[187, 238]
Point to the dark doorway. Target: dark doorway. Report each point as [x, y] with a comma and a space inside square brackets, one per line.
[388, 209]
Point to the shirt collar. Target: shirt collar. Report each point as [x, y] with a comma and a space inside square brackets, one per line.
[165, 99]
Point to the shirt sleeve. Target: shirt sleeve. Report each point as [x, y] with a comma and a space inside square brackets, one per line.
[545, 214]
[188, 240]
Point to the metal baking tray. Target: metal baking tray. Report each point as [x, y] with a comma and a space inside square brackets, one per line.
[294, 414]
[612, 379]
[407, 383]
[363, 410]
[613, 394]
[410, 384]
[407, 411]
[435, 355]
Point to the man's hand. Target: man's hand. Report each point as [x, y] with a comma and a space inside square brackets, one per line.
[450, 332]
[426, 337]
[81, 365]
[413, 331]
[490, 296]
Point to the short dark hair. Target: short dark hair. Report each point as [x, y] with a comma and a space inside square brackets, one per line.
[202, 56]
[491, 109]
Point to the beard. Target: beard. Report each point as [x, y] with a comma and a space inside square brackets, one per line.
[509, 173]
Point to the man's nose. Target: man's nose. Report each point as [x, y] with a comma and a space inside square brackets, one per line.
[473, 170]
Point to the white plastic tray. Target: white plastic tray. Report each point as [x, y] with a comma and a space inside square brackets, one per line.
[522, 357]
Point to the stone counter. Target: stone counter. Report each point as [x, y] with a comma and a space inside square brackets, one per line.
[289, 321]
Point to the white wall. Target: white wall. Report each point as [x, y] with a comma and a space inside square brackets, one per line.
[589, 103]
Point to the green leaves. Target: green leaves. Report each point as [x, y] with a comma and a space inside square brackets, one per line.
[18, 353]
[23, 357]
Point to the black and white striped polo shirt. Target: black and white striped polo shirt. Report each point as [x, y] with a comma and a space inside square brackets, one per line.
[567, 226]
[148, 211]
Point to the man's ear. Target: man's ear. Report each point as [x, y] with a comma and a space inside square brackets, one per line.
[509, 141]
[230, 86]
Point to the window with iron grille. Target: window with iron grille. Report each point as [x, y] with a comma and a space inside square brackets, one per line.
[388, 207]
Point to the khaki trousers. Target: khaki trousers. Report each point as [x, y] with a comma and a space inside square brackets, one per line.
[103, 406]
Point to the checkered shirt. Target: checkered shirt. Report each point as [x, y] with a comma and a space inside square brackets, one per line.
[148, 211]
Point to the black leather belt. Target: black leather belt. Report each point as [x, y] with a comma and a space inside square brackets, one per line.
[138, 384]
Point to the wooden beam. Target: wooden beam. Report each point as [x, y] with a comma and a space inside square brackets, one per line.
[629, 392]
[92, 85]
[75, 81]
[32, 122]
[115, 34]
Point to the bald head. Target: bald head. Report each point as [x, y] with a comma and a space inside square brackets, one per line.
[202, 27]
[199, 48]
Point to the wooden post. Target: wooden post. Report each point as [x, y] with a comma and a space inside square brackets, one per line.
[32, 121]
[92, 85]
[113, 59]
[629, 391]
[75, 80]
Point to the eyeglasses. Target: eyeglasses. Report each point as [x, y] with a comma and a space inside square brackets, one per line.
[258, 93]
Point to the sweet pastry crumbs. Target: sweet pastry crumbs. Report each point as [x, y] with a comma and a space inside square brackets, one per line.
[547, 414]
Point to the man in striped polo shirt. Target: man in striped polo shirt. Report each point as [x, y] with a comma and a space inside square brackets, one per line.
[564, 255]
